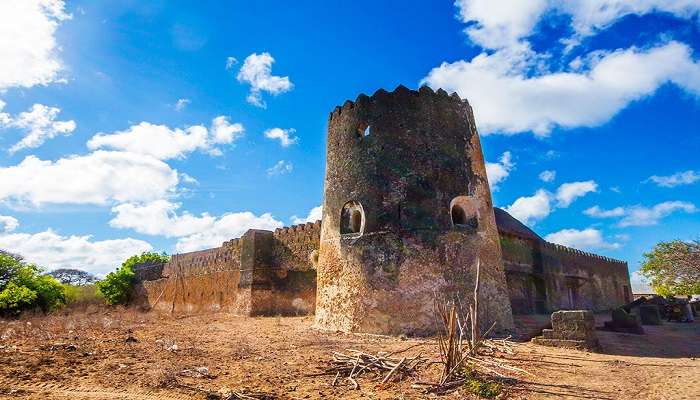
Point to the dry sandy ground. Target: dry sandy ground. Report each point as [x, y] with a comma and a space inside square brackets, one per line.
[86, 356]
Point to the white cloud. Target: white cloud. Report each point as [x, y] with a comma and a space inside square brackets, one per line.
[314, 215]
[51, 250]
[28, 47]
[257, 72]
[280, 168]
[181, 104]
[39, 124]
[639, 215]
[101, 177]
[528, 210]
[161, 218]
[8, 223]
[586, 239]
[284, 135]
[164, 143]
[498, 24]
[548, 175]
[643, 216]
[568, 192]
[230, 62]
[500, 81]
[507, 23]
[677, 179]
[497, 172]
[597, 212]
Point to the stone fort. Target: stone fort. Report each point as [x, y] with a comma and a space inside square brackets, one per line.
[407, 212]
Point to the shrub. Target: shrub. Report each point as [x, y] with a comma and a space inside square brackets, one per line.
[117, 287]
[24, 286]
[14, 298]
[478, 386]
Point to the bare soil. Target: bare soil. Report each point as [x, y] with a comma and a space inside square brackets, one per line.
[86, 355]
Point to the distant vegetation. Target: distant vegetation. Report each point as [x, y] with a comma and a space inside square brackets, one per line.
[25, 286]
[673, 268]
[117, 287]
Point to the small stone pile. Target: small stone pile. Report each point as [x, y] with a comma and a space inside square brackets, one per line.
[570, 329]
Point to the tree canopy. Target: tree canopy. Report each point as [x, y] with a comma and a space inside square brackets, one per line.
[75, 277]
[117, 286]
[673, 268]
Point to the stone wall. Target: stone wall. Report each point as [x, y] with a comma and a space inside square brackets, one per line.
[262, 273]
[579, 280]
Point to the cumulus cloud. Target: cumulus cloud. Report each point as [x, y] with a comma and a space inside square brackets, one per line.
[163, 142]
[52, 250]
[283, 135]
[679, 178]
[530, 209]
[8, 223]
[506, 23]
[280, 168]
[638, 215]
[161, 218]
[314, 215]
[101, 177]
[497, 172]
[500, 81]
[181, 104]
[257, 72]
[39, 124]
[586, 239]
[568, 192]
[28, 47]
[548, 175]
[230, 62]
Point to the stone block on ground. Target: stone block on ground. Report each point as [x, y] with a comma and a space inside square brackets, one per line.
[624, 322]
[570, 329]
[649, 314]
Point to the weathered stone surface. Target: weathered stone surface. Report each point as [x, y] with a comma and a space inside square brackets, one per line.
[573, 329]
[409, 165]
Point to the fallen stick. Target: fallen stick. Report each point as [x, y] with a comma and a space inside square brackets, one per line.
[393, 370]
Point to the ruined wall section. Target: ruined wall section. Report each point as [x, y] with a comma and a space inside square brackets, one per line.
[197, 282]
[592, 281]
[296, 247]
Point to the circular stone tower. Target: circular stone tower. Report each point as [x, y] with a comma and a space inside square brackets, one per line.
[407, 210]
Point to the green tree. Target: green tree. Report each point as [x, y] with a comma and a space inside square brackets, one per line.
[24, 286]
[673, 268]
[117, 286]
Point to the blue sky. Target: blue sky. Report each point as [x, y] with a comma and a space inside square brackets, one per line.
[131, 126]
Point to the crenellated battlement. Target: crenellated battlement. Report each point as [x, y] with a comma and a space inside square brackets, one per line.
[400, 91]
[313, 227]
[580, 253]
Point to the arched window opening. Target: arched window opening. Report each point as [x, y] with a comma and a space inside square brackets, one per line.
[459, 217]
[352, 218]
[464, 213]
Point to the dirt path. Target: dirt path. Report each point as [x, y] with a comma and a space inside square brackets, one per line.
[86, 357]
